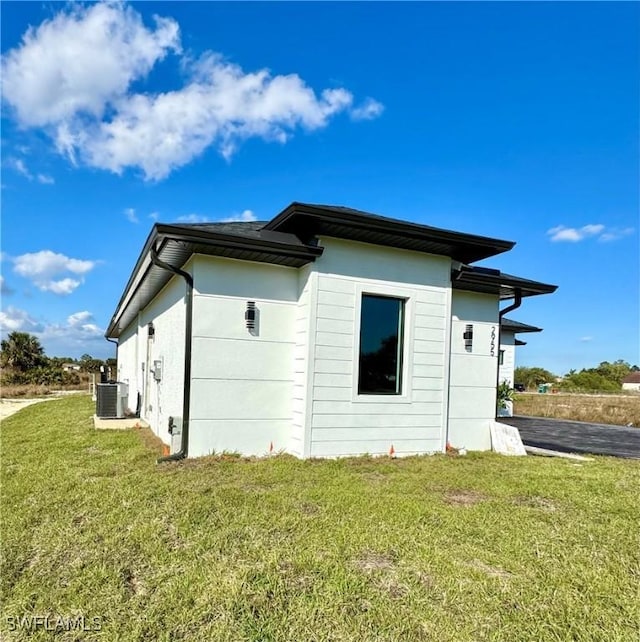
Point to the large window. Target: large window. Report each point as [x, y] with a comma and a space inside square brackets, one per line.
[380, 362]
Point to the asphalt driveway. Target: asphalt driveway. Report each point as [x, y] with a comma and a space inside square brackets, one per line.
[577, 436]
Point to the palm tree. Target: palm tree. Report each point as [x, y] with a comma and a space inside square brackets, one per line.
[22, 351]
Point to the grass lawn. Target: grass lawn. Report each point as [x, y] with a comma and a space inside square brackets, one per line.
[621, 409]
[437, 548]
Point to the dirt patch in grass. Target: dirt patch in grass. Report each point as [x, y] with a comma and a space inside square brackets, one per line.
[382, 571]
[491, 571]
[463, 497]
[388, 583]
[309, 509]
[374, 477]
[150, 440]
[536, 502]
[132, 584]
[171, 536]
[10, 407]
[372, 561]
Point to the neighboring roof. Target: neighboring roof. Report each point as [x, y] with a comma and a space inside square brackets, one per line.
[176, 243]
[516, 327]
[520, 343]
[308, 221]
[632, 377]
[489, 281]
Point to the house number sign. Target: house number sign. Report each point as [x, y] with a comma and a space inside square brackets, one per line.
[493, 340]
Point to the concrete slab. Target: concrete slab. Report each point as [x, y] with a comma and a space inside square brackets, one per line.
[101, 423]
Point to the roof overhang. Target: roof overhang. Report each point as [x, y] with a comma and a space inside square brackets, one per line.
[489, 281]
[175, 245]
[309, 221]
[516, 327]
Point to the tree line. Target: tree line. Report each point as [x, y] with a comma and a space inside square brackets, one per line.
[606, 377]
[24, 362]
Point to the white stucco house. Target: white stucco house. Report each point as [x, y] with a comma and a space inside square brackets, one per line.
[323, 332]
[509, 328]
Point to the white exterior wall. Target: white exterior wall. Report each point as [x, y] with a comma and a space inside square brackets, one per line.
[302, 358]
[472, 395]
[136, 355]
[242, 382]
[341, 422]
[293, 381]
[635, 387]
[163, 399]
[508, 365]
[127, 359]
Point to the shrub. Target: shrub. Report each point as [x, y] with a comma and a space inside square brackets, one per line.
[588, 381]
[505, 394]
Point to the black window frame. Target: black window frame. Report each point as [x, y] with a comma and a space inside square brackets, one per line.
[400, 347]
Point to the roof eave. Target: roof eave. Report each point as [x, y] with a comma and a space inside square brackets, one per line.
[486, 246]
[494, 282]
[161, 234]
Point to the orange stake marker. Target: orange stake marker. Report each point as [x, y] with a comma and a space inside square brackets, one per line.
[392, 451]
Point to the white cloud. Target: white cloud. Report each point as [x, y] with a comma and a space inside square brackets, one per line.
[562, 233]
[192, 218]
[43, 268]
[78, 335]
[61, 286]
[79, 61]
[613, 234]
[222, 107]
[95, 53]
[83, 322]
[130, 213]
[586, 339]
[244, 217]
[45, 179]
[20, 166]
[572, 234]
[154, 216]
[368, 110]
[16, 320]
[78, 318]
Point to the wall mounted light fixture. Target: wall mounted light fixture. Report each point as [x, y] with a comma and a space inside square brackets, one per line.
[468, 337]
[250, 315]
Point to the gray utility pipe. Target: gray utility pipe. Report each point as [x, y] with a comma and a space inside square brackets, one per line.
[186, 400]
[517, 302]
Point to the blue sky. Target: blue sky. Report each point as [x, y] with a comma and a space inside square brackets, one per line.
[513, 120]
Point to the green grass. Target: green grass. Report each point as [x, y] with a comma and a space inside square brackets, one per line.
[437, 548]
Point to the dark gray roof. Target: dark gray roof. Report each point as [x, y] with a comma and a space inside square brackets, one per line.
[489, 281]
[307, 221]
[516, 326]
[175, 244]
[290, 239]
[239, 228]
